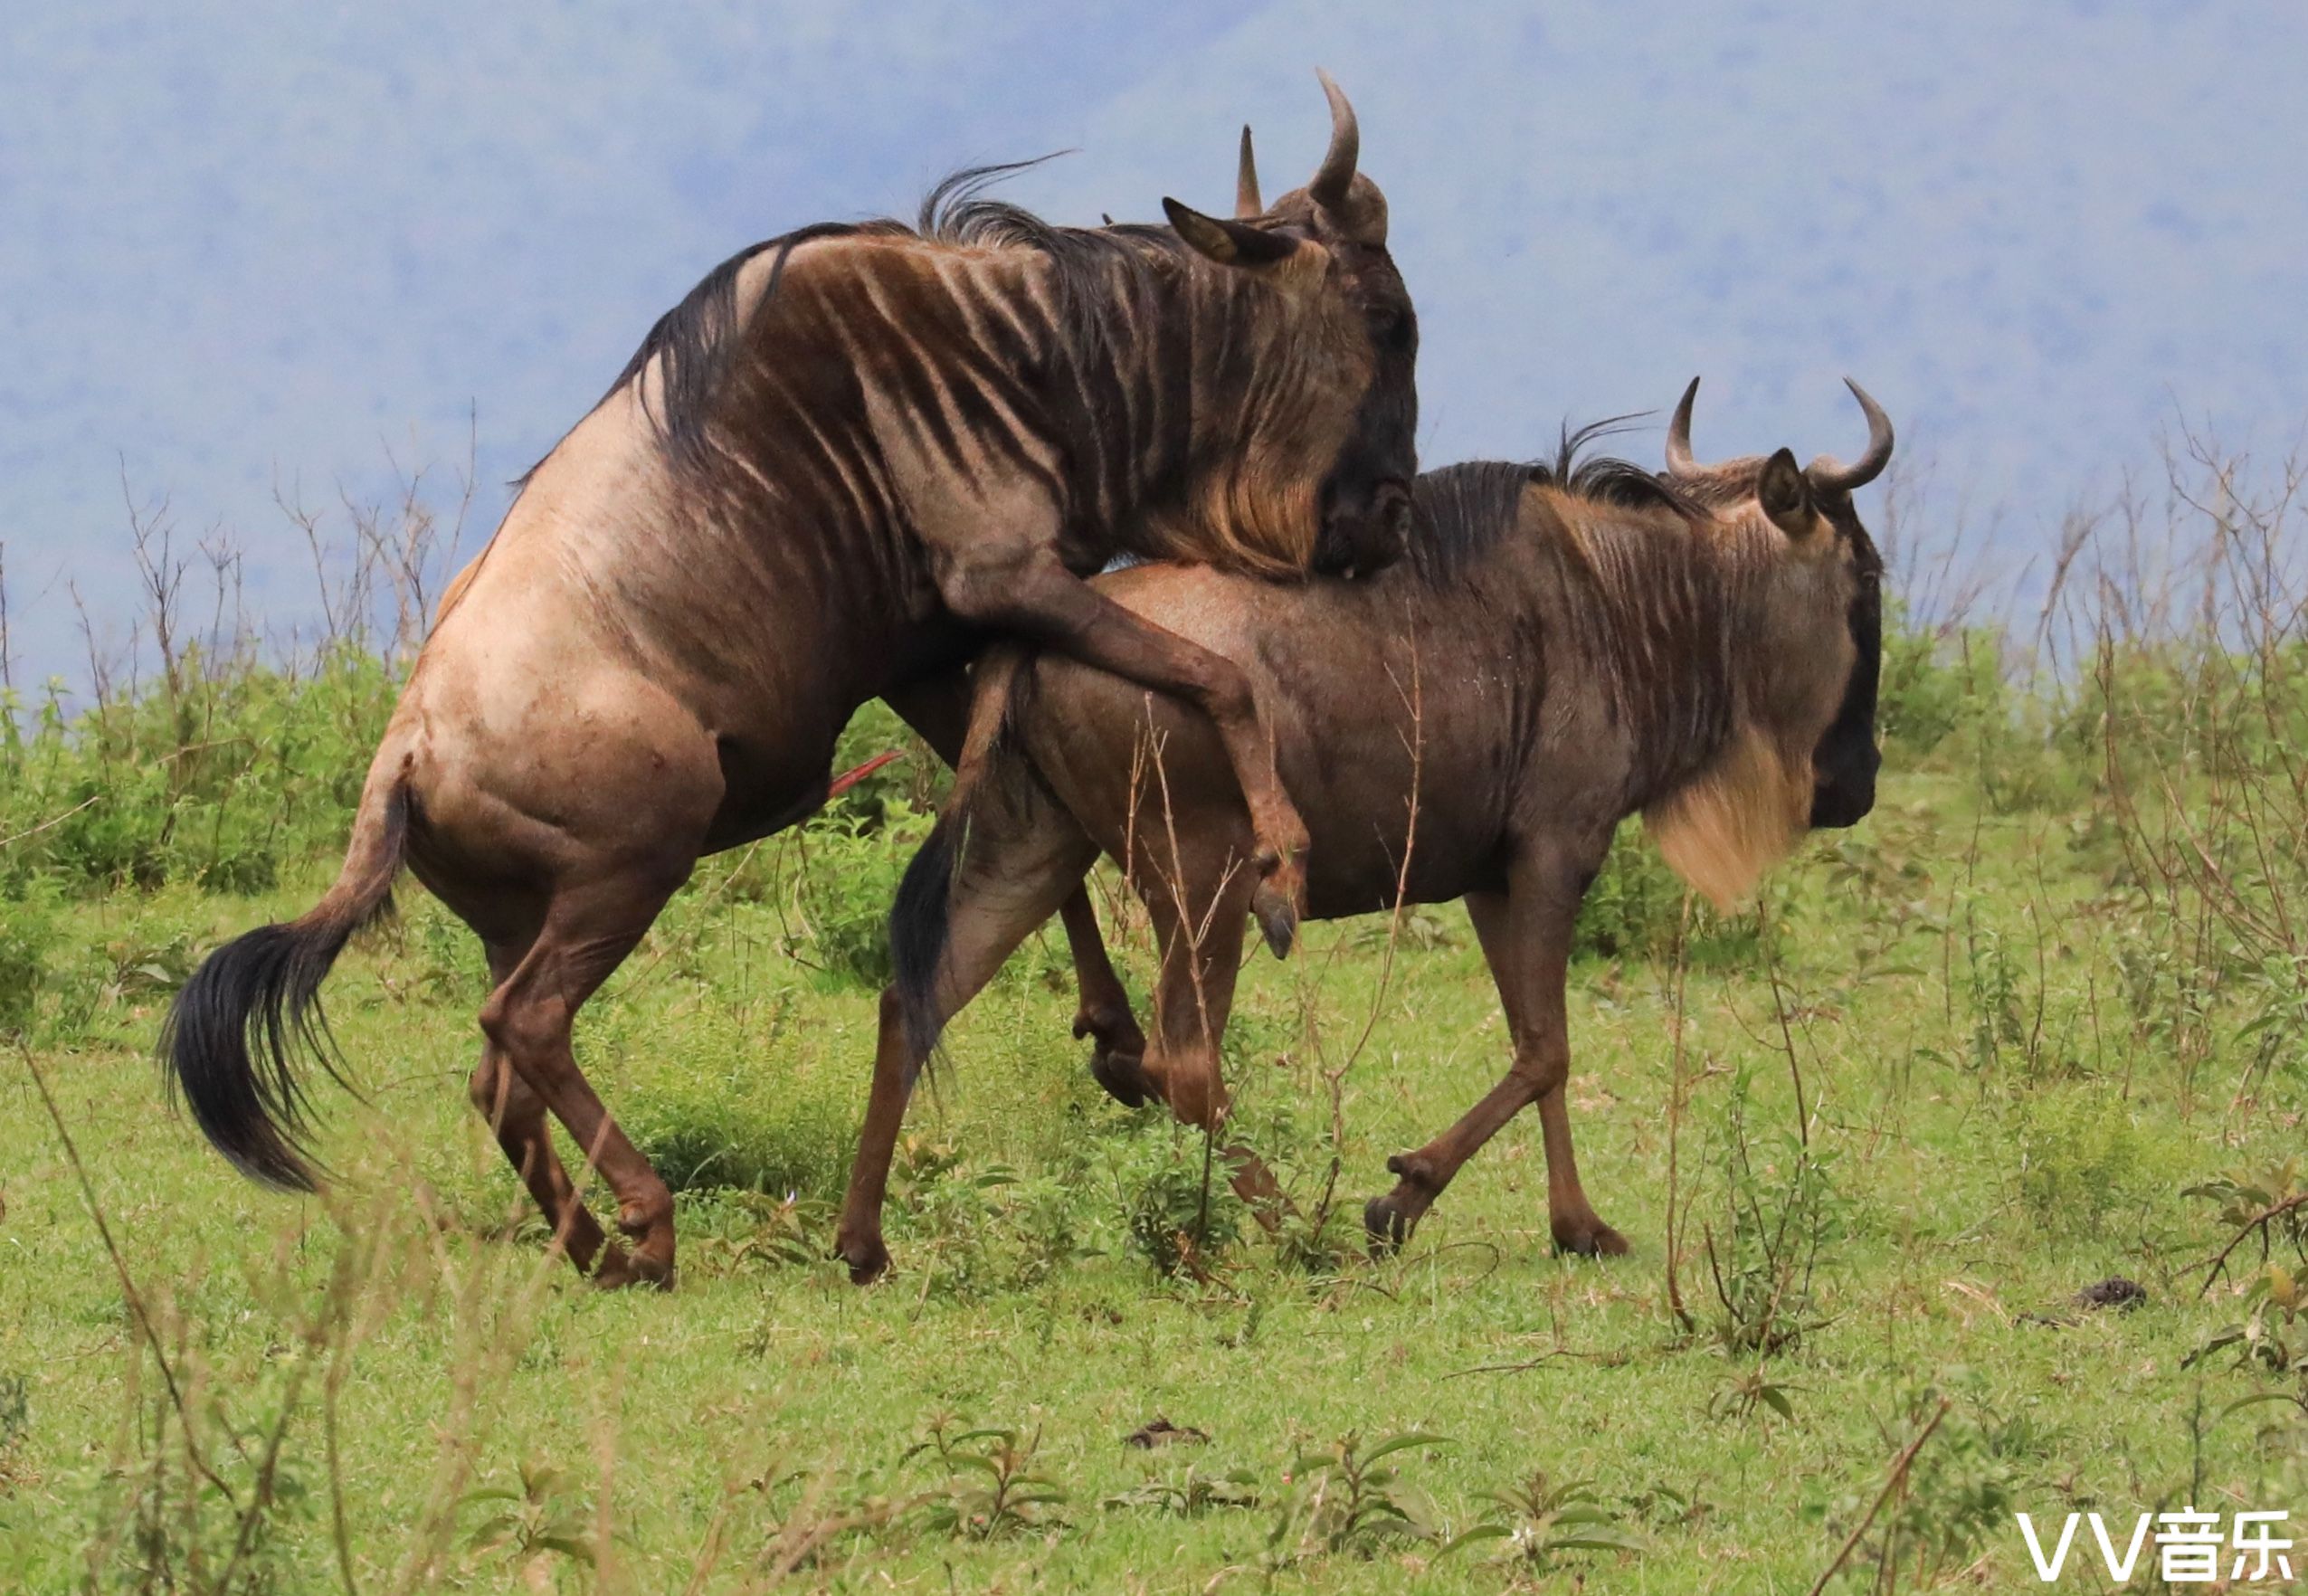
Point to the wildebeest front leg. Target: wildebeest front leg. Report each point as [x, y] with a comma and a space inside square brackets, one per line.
[1525, 935]
[1196, 904]
[1036, 596]
[938, 710]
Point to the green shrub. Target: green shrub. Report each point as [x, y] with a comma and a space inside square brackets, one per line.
[1634, 908]
[1176, 1206]
[1926, 683]
[716, 1101]
[849, 868]
[27, 936]
[2080, 1157]
[244, 769]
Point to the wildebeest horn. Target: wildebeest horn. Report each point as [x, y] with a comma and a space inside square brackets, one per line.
[1678, 434]
[1337, 173]
[1830, 475]
[1246, 181]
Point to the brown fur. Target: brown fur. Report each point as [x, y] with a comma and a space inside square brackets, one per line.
[844, 460]
[1565, 648]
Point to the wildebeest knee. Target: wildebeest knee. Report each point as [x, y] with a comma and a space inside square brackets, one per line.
[527, 1030]
[1229, 700]
[988, 589]
[1541, 1069]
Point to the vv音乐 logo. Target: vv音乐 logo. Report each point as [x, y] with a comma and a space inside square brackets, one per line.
[2191, 1547]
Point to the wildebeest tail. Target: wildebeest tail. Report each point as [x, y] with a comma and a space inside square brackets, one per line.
[919, 919]
[229, 1048]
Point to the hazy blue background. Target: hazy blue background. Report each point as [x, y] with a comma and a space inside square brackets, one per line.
[245, 243]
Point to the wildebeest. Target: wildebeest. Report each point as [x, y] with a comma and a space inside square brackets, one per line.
[848, 456]
[1562, 648]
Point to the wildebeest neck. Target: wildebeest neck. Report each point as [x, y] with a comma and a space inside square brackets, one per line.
[1159, 398]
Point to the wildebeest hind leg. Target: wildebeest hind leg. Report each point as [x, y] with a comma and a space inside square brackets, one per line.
[1197, 906]
[588, 930]
[1117, 1047]
[1020, 861]
[516, 1117]
[938, 710]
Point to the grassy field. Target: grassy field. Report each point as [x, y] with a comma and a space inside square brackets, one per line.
[2034, 1046]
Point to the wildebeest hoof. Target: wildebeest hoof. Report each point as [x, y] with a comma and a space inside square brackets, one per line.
[1277, 918]
[1386, 1225]
[1594, 1240]
[868, 1260]
[612, 1269]
[1120, 1074]
[619, 1269]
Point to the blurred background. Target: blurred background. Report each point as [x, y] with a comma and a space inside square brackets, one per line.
[336, 258]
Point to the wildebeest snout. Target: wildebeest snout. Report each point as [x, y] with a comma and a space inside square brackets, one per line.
[1369, 538]
[1844, 788]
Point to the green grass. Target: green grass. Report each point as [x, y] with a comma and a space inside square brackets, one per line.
[2002, 1110]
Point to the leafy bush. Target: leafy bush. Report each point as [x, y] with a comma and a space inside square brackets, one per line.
[1634, 908]
[2079, 1156]
[728, 1111]
[850, 865]
[218, 781]
[1763, 1265]
[1176, 1208]
[1929, 681]
[26, 935]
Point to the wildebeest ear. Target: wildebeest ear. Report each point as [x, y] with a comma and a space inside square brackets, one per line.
[1785, 495]
[1230, 244]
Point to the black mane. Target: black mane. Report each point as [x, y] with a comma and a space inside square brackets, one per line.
[1085, 259]
[1464, 509]
[694, 341]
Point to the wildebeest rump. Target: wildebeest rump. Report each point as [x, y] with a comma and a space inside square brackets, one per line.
[1562, 648]
[849, 455]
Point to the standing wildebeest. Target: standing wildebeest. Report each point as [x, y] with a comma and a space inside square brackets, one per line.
[1561, 649]
[844, 458]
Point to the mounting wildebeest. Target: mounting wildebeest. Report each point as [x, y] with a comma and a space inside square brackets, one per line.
[848, 456]
[1563, 647]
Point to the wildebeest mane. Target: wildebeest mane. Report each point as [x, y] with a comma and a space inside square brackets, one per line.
[694, 342]
[957, 211]
[1464, 509]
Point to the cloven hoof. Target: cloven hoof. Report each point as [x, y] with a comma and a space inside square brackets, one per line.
[867, 1264]
[1121, 1075]
[1385, 1226]
[1277, 919]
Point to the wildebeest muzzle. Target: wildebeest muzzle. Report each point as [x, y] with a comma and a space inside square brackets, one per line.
[1367, 537]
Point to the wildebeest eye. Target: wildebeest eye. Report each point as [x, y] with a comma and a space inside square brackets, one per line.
[1390, 326]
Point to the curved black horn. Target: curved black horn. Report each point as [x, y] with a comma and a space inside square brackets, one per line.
[1246, 183]
[1678, 434]
[1830, 475]
[1337, 173]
